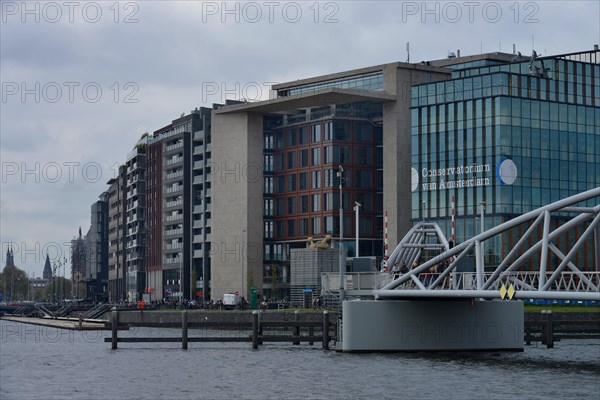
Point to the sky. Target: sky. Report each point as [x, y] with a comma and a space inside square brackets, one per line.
[82, 81]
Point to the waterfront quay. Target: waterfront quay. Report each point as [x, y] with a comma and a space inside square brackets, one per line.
[289, 326]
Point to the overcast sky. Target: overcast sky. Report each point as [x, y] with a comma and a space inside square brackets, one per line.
[82, 81]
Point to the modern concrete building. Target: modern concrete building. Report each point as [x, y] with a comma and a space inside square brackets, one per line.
[503, 136]
[116, 237]
[135, 219]
[277, 163]
[178, 198]
[96, 276]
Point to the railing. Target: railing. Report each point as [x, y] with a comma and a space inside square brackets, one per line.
[588, 282]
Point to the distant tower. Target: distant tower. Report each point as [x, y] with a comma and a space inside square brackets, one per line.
[47, 269]
[10, 258]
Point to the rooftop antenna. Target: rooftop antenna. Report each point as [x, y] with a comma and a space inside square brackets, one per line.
[514, 49]
[407, 51]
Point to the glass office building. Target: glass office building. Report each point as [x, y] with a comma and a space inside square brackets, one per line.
[509, 137]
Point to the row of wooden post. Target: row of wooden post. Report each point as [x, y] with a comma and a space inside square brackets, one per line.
[257, 330]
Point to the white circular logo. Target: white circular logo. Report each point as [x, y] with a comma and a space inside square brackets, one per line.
[507, 172]
[414, 179]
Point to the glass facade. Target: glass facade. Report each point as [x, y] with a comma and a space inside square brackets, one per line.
[515, 136]
[372, 81]
[304, 200]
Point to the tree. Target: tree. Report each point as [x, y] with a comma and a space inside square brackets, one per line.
[58, 289]
[14, 284]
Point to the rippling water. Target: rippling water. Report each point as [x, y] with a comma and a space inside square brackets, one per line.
[46, 363]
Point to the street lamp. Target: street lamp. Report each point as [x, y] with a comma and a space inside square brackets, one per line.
[482, 204]
[357, 206]
[340, 175]
[242, 255]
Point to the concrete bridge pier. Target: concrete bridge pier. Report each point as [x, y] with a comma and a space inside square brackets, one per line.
[432, 325]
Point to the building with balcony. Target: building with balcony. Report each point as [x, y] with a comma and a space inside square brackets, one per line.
[135, 220]
[178, 207]
[117, 255]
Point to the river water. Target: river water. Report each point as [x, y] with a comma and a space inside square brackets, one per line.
[47, 363]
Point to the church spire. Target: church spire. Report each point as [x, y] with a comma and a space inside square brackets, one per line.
[10, 257]
[47, 274]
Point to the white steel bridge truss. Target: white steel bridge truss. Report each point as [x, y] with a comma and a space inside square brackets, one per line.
[565, 282]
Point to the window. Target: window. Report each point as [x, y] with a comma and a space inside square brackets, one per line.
[316, 179]
[316, 226]
[328, 201]
[303, 135]
[291, 183]
[316, 202]
[341, 155]
[329, 175]
[291, 137]
[269, 141]
[304, 204]
[291, 159]
[269, 163]
[316, 133]
[304, 158]
[363, 179]
[341, 131]
[303, 227]
[269, 229]
[328, 131]
[327, 155]
[364, 132]
[363, 155]
[268, 207]
[268, 184]
[316, 156]
[279, 184]
[303, 181]
[291, 205]
[291, 226]
[280, 207]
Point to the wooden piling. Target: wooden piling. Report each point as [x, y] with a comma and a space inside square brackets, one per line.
[114, 328]
[311, 333]
[296, 327]
[80, 321]
[255, 329]
[544, 334]
[326, 330]
[184, 330]
[549, 330]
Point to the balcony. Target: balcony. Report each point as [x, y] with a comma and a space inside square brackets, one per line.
[174, 175]
[198, 223]
[198, 209]
[198, 238]
[198, 164]
[173, 161]
[172, 218]
[173, 260]
[198, 150]
[198, 179]
[174, 203]
[199, 135]
[198, 253]
[174, 189]
[174, 246]
[173, 232]
[175, 146]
